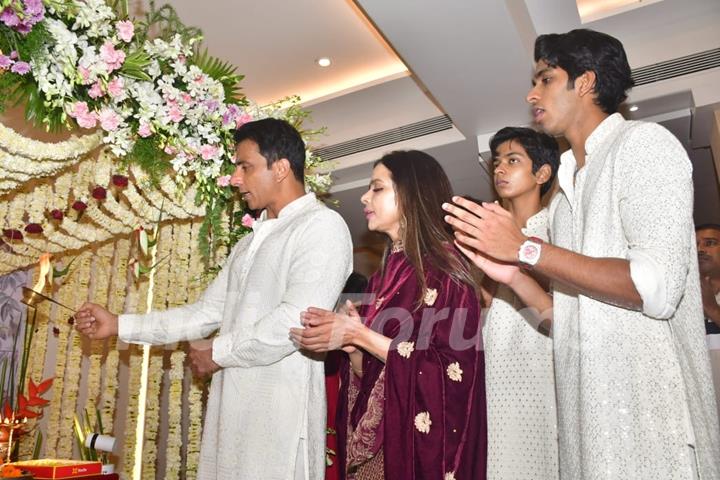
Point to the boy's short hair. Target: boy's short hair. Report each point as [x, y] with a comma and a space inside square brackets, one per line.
[540, 147]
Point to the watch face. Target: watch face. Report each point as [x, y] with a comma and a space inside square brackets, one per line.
[530, 251]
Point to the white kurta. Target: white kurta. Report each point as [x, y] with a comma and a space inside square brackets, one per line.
[520, 387]
[635, 395]
[266, 409]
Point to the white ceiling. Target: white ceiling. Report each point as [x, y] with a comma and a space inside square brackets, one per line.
[468, 59]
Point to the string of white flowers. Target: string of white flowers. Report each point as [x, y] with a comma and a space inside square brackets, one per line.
[16, 211]
[73, 369]
[62, 190]
[139, 205]
[116, 302]
[101, 279]
[17, 177]
[122, 213]
[18, 166]
[195, 393]
[105, 222]
[168, 206]
[4, 206]
[84, 233]
[184, 199]
[173, 459]
[144, 372]
[54, 426]
[42, 244]
[10, 262]
[66, 241]
[103, 169]
[69, 150]
[38, 201]
[8, 186]
[136, 292]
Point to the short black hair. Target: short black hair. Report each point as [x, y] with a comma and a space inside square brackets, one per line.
[276, 139]
[540, 147]
[708, 226]
[582, 50]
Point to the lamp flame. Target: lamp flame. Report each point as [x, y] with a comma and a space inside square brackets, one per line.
[46, 272]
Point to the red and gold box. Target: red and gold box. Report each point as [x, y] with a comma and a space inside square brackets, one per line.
[49, 468]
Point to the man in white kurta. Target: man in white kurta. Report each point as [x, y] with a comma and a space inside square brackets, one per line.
[265, 416]
[635, 396]
[266, 408]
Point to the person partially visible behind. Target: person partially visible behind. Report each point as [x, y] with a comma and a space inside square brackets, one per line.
[708, 245]
[412, 404]
[519, 374]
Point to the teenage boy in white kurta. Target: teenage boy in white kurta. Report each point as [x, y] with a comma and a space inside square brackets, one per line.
[265, 416]
[635, 397]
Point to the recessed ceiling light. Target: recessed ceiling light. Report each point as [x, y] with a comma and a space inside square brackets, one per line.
[323, 62]
[634, 108]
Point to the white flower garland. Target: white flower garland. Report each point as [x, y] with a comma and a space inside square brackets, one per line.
[79, 280]
[43, 244]
[67, 297]
[105, 222]
[159, 201]
[68, 150]
[123, 214]
[140, 205]
[173, 459]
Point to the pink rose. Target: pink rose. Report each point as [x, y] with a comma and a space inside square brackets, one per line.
[170, 150]
[125, 30]
[247, 221]
[175, 113]
[96, 90]
[113, 58]
[223, 181]
[83, 116]
[208, 152]
[116, 86]
[109, 120]
[242, 119]
[145, 130]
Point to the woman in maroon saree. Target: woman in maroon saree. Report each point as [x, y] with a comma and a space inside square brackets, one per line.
[412, 401]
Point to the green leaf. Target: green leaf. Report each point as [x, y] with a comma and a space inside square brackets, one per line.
[224, 72]
[38, 445]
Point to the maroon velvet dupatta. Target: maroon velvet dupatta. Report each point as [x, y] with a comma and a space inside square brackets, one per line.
[424, 409]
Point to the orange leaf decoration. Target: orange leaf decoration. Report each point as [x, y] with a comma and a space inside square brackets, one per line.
[45, 386]
[32, 388]
[7, 411]
[37, 402]
[22, 402]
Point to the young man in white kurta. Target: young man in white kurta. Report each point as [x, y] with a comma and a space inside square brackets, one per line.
[635, 397]
[267, 404]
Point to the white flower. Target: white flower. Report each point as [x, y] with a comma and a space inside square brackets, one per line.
[423, 422]
[454, 372]
[449, 476]
[430, 296]
[405, 349]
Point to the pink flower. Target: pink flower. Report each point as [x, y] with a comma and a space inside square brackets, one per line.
[242, 119]
[187, 98]
[84, 117]
[125, 30]
[113, 58]
[109, 120]
[116, 86]
[144, 130]
[208, 152]
[21, 68]
[223, 181]
[175, 113]
[96, 90]
[170, 150]
[247, 221]
[84, 75]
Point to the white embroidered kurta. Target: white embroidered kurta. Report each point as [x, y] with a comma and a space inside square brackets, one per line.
[520, 387]
[634, 388]
[267, 404]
